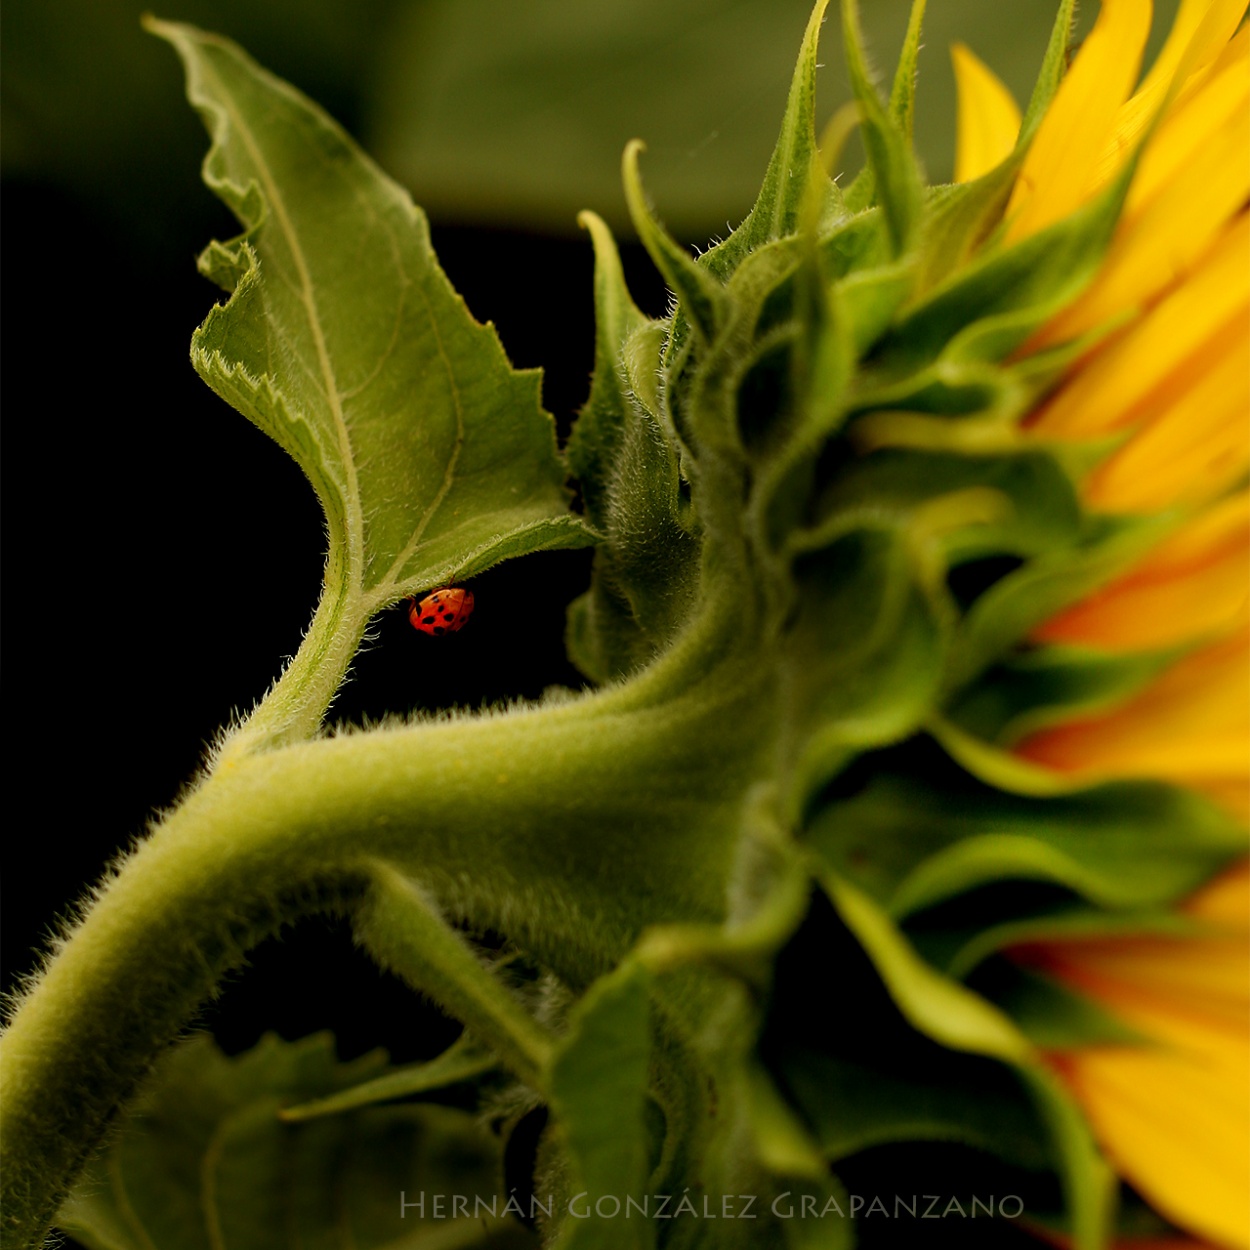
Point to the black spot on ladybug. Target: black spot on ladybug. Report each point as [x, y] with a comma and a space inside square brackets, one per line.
[428, 620]
[439, 629]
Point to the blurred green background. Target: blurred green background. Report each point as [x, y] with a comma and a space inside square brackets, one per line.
[491, 111]
[161, 557]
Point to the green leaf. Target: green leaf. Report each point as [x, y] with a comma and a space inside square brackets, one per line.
[598, 1082]
[203, 1160]
[344, 341]
[463, 1061]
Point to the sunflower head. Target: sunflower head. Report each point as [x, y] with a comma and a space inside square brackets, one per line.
[986, 451]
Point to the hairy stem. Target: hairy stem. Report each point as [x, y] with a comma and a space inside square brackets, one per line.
[505, 821]
[406, 933]
[295, 705]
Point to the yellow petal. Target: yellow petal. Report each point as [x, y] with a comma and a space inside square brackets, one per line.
[1195, 446]
[1200, 31]
[1149, 364]
[988, 116]
[1191, 726]
[1224, 901]
[1199, 36]
[1193, 585]
[1173, 1114]
[1174, 1124]
[1160, 243]
[1080, 120]
[1191, 123]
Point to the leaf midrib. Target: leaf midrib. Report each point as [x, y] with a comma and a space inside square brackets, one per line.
[449, 472]
[273, 196]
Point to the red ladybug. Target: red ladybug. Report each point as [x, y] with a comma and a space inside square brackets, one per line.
[442, 611]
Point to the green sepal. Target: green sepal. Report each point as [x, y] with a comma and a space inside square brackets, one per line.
[1040, 509]
[880, 1079]
[700, 296]
[918, 831]
[965, 937]
[953, 1016]
[203, 1160]
[992, 304]
[1054, 66]
[962, 221]
[903, 92]
[1041, 686]
[967, 214]
[1018, 602]
[862, 660]
[626, 459]
[1049, 1014]
[895, 175]
[594, 445]
[870, 299]
[793, 168]
[860, 243]
[755, 324]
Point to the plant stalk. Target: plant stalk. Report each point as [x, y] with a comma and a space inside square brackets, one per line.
[505, 821]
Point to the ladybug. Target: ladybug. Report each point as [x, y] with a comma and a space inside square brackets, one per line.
[442, 611]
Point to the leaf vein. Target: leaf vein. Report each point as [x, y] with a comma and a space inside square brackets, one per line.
[449, 472]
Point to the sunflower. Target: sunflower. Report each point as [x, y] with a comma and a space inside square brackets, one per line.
[1166, 381]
